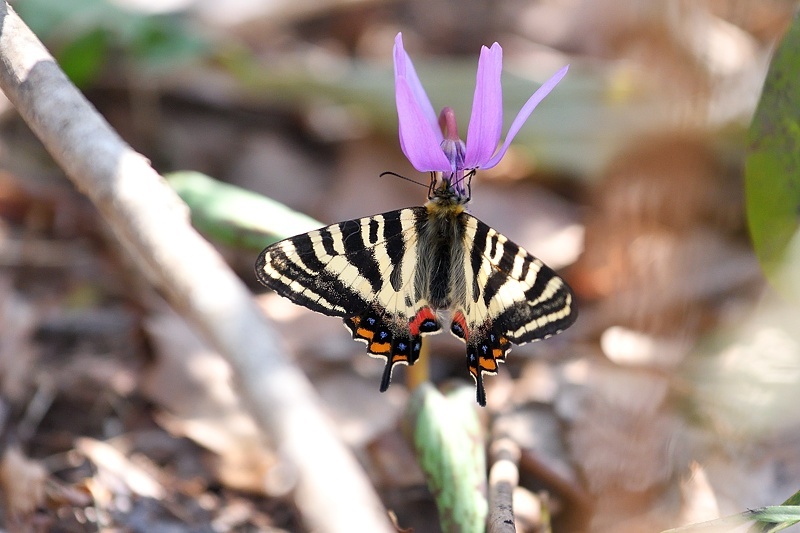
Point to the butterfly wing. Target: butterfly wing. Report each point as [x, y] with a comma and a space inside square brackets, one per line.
[509, 297]
[362, 270]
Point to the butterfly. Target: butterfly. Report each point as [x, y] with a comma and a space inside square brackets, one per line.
[393, 278]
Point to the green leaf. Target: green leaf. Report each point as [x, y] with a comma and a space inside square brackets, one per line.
[164, 43]
[83, 59]
[794, 499]
[450, 448]
[234, 216]
[785, 515]
[83, 31]
[47, 18]
[764, 519]
[772, 168]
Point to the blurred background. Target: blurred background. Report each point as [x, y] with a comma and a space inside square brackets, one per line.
[672, 400]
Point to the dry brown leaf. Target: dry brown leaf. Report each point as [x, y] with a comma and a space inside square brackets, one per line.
[23, 482]
[330, 341]
[623, 437]
[629, 347]
[18, 320]
[116, 466]
[699, 499]
[527, 511]
[536, 430]
[392, 463]
[360, 411]
[662, 249]
[192, 385]
[536, 383]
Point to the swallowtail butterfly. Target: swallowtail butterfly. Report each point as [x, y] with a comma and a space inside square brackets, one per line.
[391, 276]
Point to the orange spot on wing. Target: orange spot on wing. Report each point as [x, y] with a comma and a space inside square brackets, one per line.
[379, 347]
[365, 333]
[489, 365]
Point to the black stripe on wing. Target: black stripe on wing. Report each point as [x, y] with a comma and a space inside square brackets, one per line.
[303, 280]
[300, 268]
[541, 304]
[557, 312]
[362, 254]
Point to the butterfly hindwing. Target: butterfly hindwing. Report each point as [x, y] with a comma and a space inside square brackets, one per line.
[363, 271]
[511, 297]
[395, 341]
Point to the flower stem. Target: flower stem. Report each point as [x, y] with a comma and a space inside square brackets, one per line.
[420, 372]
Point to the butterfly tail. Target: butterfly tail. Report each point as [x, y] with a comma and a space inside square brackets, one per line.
[484, 352]
[384, 342]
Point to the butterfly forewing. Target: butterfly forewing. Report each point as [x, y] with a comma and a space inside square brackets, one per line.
[362, 270]
[341, 269]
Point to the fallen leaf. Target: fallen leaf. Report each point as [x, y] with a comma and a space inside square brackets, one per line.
[23, 482]
[699, 499]
[112, 462]
[193, 386]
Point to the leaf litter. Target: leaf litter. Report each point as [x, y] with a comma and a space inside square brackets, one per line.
[671, 402]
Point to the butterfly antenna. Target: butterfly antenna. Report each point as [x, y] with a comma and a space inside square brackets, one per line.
[387, 173]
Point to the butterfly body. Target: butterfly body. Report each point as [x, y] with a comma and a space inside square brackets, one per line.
[393, 276]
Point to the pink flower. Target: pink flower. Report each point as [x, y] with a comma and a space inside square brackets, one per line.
[433, 145]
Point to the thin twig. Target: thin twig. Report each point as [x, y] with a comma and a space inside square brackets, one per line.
[332, 492]
[503, 477]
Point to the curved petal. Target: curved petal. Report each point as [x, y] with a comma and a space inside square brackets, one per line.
[525, 112]
[486, 121]
[404, 68]
[417, 137]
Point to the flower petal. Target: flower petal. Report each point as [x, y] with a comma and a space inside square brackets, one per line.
[524, 113]
[417, 137]
[404, 68]
[486, 121]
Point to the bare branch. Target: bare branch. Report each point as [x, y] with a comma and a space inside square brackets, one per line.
[333, 493]
[503, 478]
